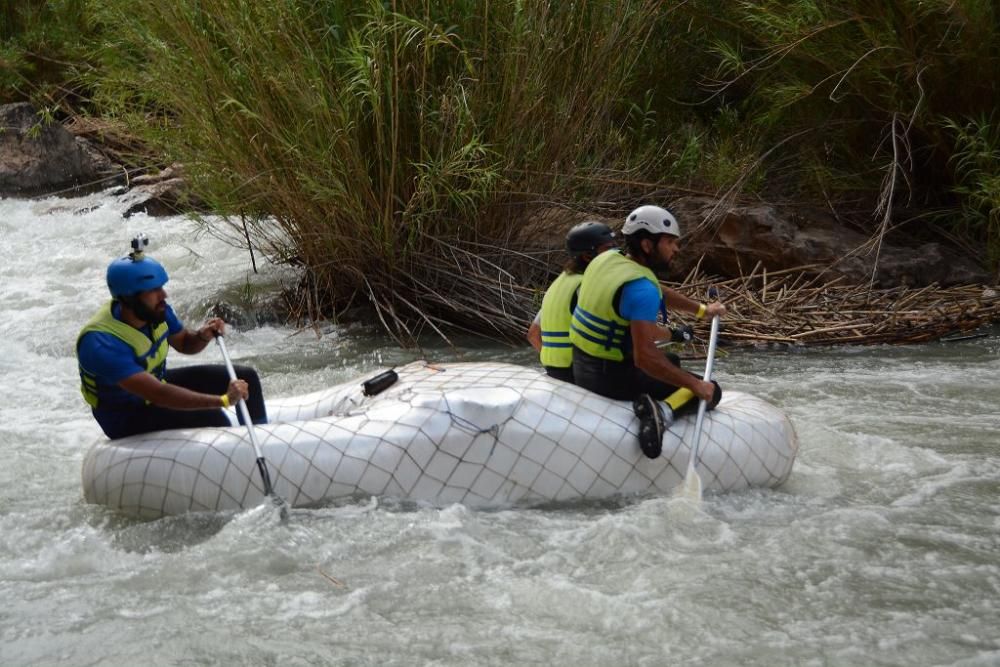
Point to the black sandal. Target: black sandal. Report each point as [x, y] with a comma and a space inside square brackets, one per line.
[653, 423]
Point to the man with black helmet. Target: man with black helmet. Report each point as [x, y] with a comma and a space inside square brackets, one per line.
[549, 332]
[614, 329]
[122, 357]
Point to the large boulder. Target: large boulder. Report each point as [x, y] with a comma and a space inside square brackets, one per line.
[730, 242]
[39, 158]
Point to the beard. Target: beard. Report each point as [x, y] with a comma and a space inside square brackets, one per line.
[659, 266]
[152, 315]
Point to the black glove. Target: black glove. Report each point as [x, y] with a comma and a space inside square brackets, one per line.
[684, 334]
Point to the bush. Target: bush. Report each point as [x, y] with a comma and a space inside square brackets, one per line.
[43, 45]
[393, 149]
[860, 90]
[380, 146]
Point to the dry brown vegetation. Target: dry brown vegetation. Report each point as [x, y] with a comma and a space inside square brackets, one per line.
[797, 307]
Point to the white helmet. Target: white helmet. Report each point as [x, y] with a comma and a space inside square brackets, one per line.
[653, 219]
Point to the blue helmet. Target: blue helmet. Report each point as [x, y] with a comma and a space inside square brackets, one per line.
[135, 272]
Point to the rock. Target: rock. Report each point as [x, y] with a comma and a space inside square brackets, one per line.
[781, 239]
[169, 173]
[38, 158]
[247, 315]
[163, 193]
[164, 198]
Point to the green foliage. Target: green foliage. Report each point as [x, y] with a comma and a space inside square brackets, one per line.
[357, 137]
[361, 140]
[863, 87]
[43, 45]
[977, 167]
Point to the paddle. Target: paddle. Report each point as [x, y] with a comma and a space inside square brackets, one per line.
[278, 501]
[691, 488]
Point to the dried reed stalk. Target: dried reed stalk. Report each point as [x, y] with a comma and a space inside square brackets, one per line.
[482, 289]
[788, 308]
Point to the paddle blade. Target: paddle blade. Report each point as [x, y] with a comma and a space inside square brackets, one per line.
[282, 506]
[691, 488]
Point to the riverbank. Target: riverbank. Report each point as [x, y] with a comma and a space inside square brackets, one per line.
[813, 281]
[401, 156]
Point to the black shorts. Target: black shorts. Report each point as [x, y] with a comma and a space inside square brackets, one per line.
[620, 380]
[564, 374]
[207, 379]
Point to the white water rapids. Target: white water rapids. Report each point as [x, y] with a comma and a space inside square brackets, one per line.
[882, 549]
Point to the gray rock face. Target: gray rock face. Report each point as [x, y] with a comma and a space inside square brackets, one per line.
[164, 193]
[783, 240]
[39, 159]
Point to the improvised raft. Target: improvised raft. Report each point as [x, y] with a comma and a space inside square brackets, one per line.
[481, 434]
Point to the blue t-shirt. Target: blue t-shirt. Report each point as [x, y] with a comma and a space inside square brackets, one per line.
[640, 301]
[111, 360]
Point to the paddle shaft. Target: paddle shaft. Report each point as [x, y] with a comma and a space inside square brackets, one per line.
[703, 404]
[245, 413]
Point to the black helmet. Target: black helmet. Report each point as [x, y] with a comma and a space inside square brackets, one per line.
[588, 237]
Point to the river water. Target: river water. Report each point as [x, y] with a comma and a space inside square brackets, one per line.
[883, 548]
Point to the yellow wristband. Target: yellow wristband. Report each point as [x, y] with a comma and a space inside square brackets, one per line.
[225, 400]
[702, 309]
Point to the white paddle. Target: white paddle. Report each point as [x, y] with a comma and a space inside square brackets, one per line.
[691, 488]
[261, 462]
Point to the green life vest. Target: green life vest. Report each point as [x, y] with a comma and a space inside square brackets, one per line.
[151, 354]
[557, 351]
[596, 328]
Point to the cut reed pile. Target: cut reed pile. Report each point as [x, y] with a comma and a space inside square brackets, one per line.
[451, 286]
[797, 307]
[482, 288]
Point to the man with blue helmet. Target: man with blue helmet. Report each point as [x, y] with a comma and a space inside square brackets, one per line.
[122, 357]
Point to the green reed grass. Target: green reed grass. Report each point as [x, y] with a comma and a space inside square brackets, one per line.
[394, 149]
[976, 161]
[867, 89]
[353, 141]
[42, 43]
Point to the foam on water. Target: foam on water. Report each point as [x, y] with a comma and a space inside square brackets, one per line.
[880, 549]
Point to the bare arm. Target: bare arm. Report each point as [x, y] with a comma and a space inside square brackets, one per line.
[650, 360]
[193, 342]
[534, 336]
[677, 301]
[164, 395]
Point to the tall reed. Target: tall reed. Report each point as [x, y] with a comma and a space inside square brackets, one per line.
[864, 90]
[357, 141]
[976, 161]
[42, 45]
[393, 149]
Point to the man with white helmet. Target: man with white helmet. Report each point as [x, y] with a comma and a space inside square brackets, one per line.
[614, 328]
[122, 357]
[549, 332]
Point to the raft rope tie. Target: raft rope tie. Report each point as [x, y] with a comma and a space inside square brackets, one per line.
[475, 429]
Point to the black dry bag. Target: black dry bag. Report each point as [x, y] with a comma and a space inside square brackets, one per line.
[379, 383]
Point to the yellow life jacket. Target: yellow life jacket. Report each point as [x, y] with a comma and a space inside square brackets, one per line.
[557, 351]
[151, 354]
[596, 328]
